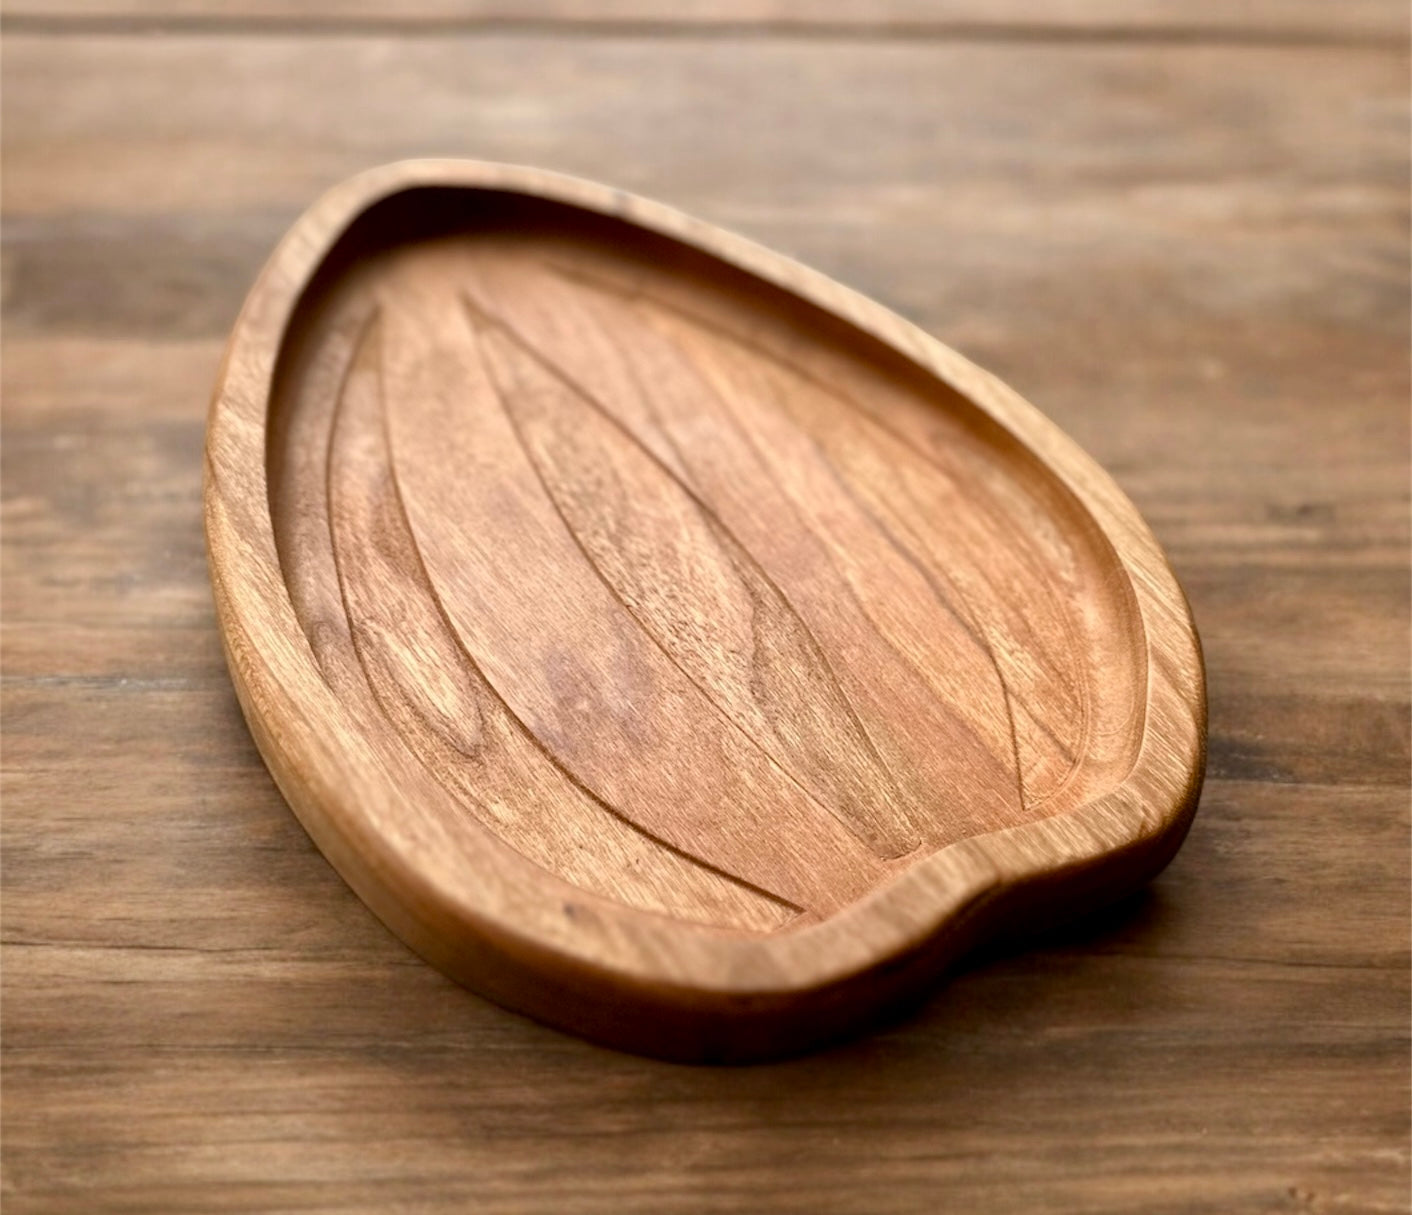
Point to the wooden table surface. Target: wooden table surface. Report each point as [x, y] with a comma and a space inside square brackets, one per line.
[1180, 228]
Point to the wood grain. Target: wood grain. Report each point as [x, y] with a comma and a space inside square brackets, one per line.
[662, 638]
[1215, 235]
[1350, 21]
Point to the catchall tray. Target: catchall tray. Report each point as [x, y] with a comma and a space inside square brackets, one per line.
[663, 639]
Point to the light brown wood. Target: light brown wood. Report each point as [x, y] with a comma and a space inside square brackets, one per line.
[1146, 239]
[1297, 20]
[663, 639]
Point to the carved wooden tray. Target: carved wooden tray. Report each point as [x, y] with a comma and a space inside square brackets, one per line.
[663, 639]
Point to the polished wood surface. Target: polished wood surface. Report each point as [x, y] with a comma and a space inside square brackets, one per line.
[198, 1015]
[665, 640]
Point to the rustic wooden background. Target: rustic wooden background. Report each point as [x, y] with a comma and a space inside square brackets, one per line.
[1179, 226]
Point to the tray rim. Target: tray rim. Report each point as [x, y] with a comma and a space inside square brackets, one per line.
[618, 949]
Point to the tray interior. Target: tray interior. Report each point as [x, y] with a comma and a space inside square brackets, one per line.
[695, 595]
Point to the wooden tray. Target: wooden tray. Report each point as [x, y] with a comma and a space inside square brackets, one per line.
[663, 639]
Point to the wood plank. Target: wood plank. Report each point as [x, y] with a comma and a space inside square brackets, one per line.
[1224, 1059]
[1349, 21]
[290, 1132]
[1187, 137]
[163, 872]
[1194, 258]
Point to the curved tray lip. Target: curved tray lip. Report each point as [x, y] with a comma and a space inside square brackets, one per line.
[400, 874]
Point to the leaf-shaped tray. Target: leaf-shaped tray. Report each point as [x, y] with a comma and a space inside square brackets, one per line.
[663, 639]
